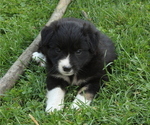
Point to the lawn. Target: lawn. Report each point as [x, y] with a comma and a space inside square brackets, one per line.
[125, 100]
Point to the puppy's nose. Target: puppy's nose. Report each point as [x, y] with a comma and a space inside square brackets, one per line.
[67, 69]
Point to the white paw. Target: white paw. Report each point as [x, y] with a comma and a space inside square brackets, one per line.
[53, 107]
[39, 58]
[75, 105]
[79, 101]
[55, 99]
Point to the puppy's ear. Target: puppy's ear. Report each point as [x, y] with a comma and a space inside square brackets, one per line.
[48, 32]
[46, 35]
[92, 35]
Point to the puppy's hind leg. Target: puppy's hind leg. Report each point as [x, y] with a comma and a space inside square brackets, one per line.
[39, 58]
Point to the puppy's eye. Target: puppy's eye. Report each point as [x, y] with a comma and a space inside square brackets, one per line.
[58, 50]
[79, 51]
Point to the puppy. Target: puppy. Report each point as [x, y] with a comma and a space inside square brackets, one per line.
[76, 53]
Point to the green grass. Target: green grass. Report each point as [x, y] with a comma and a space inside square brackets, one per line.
[126, 98]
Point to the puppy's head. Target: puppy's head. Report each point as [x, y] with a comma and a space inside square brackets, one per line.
[69, 45]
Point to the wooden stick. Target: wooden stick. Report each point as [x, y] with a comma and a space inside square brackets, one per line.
[13, 74]
[33, 119]
[85, 15]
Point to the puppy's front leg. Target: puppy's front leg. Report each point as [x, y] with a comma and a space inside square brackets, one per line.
[85, 95]
[55, 99]
[56, 93]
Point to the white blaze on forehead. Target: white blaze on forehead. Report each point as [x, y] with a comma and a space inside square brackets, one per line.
[55, 99]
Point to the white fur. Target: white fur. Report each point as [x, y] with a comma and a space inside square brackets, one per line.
[39, 58]
[79, 100]
[55, 99]
[65, 63]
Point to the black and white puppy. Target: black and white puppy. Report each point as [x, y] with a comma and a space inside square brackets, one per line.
[76, 54]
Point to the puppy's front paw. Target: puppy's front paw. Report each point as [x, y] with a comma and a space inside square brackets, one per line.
[75, 106]
[53, 107]
[39, 58]
[79, 101]
[55, 99]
